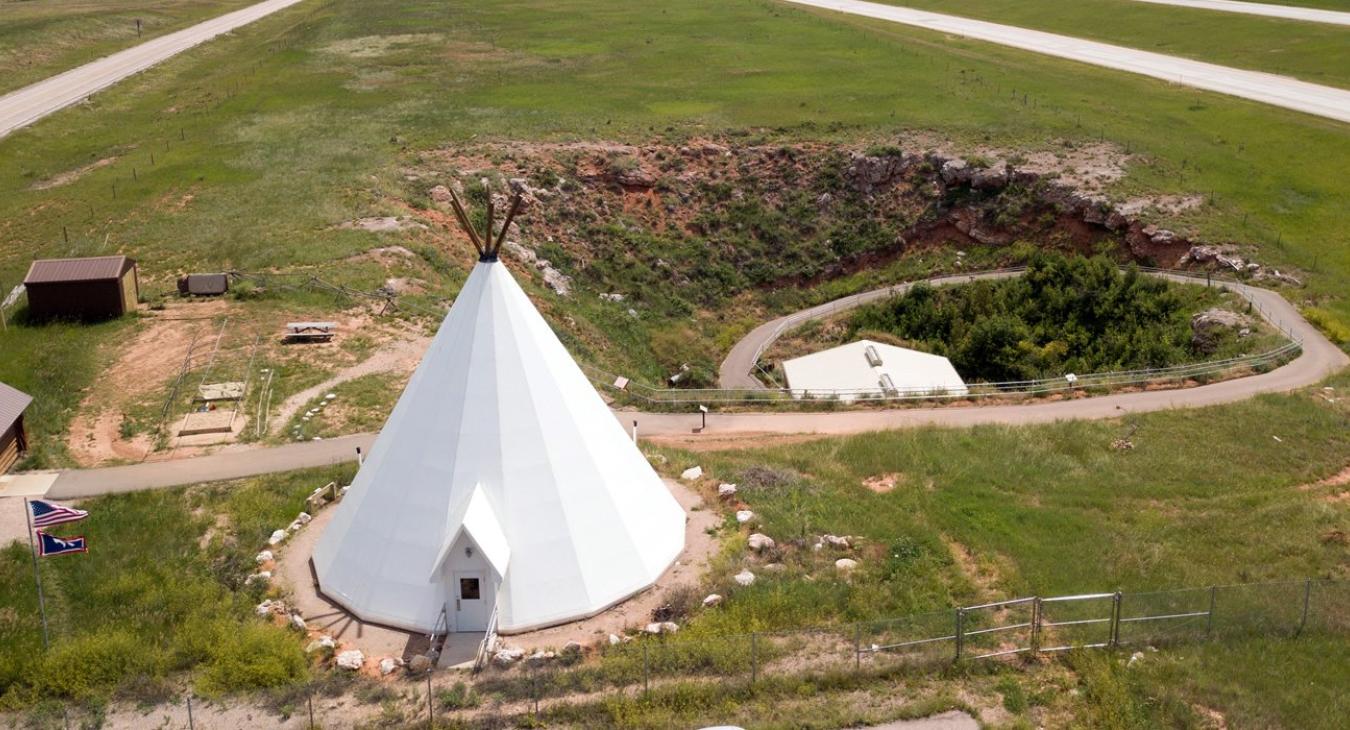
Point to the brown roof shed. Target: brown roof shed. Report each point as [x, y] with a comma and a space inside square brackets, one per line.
[101, 287]
[13, 439]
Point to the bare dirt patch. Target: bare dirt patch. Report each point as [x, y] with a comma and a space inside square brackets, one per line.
[399, 356]
[96, 438]
[374, 46]
[1165, 204]
[1330, 487]
[749, 440]
[883, 483]
[984, 575]
[383, 224]
[71, 176]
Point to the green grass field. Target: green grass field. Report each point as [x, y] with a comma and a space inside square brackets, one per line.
[160, 592]
[41, 38]
[1314, 52]
[213, 163]
[1040, 510]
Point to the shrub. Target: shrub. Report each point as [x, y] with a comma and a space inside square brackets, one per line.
[458, 697]
[251, 655]
[92, 665]
[1066, 314]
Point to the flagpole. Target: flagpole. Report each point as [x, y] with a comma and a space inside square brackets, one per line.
[37, 574]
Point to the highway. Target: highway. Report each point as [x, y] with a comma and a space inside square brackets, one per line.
[27, 105]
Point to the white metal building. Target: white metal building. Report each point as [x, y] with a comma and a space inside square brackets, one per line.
[871, 369]
[501, 481]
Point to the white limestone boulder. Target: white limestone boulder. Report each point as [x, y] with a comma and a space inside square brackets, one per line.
[760, 542]
[351, 660]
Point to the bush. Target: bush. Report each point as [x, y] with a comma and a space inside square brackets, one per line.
[251, 655]
[1066, 314]
[458, 697]
[88, 666]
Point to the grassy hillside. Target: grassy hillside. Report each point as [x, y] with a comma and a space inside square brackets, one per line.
[248, 153]
[1315, 52]
[41, 38]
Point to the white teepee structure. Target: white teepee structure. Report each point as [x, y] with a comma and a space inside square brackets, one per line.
[501, 482]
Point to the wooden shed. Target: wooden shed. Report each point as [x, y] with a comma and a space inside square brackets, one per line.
[13, 438]
[96, 288]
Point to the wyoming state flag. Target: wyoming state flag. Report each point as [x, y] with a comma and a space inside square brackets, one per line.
[52, 545]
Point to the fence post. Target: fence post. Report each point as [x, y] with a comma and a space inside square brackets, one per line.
[646, 669]
[1209, 617]
[1307, 596]
[960, 631]
[311, 709]
[431, 710]
[857, 646]
[1115, 620]
[1036, 625]
[191, 725]
[754, 657]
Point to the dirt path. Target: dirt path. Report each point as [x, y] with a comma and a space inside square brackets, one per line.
[401, 356]
[1318, 360]
[1267, 88]
[737, 369]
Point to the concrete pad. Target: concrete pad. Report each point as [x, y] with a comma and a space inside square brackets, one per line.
[30, 484]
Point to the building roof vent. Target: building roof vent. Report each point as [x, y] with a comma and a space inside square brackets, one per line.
[873, 357]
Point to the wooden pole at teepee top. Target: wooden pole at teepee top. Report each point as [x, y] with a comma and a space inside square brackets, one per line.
[506, 225]
[463, 217]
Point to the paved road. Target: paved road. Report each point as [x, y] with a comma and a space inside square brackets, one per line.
[737, 368]
[1288, 12]
[1319, 359]
[1281, 91]
[31, 103]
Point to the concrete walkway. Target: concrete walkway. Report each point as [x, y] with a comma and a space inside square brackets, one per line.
[1319, 359]
[1286, 12]
[31, 103]
[1281, 91]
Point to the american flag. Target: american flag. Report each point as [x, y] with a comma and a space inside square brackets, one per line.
[46, 514]
[52, 545]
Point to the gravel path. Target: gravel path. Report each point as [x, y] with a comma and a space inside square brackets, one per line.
[31, 103]
[1282, 91]
[1319, 359]
[1287, 12]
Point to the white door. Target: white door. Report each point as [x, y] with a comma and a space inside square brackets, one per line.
[471, 600]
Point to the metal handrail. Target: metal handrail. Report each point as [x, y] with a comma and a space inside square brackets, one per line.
[489, 639]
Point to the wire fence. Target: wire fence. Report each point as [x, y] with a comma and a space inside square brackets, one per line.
[997, 631]
[1009, 631]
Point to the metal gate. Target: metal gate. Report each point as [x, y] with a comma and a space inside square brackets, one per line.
[996, 629]
[1090, 620]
